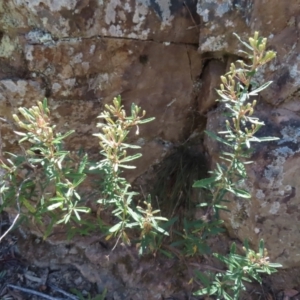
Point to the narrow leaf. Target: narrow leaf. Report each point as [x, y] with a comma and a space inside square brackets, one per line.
[256, 91]
[146, 120]
[61, 137]
[127, 167]
[217, 138]
[240, 193]
[204, 183]
[132, 157]
[54, 206]
[241, 41]
[131, 146]
[20, 133]
[115, 227]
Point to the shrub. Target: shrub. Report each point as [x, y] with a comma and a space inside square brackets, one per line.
[44, 181]
[115, 189]
[236, 94]
[45, 178]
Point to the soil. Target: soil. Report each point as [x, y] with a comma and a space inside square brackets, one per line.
[23, 279]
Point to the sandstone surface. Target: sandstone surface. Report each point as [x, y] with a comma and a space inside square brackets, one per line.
[165, 56]
[273, 211]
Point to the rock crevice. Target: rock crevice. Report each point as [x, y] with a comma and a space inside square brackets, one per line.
[167, 57]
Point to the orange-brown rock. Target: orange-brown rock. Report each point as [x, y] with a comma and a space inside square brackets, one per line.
[273, 211]
[82, 53]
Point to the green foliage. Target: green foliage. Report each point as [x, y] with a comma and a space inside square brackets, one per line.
[229, 284]
[115, 189]
[236, 94]
[195, 233]
[45, 178]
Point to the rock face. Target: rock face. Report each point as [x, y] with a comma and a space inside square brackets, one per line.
[122, 272]
[273, 211]
[81, 53]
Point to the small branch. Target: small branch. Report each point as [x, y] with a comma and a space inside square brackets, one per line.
[207, 267]
[32, 292]
[62, 292]
[10, 228]
[116, 243]
[19, 210]
[187, 8]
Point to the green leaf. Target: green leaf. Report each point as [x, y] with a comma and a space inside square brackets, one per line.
[226, 159]
[242, 42]
[77, 214]
[79, 180]
[240, 193]
[166, 253]
[127, 167]
[146, 120]
[27, 204]
[204, 183]
[54, 206]
[228, 154]
[24, 139]
[233, 248]
[77, 196]
[160, 218]
[131, 146]
[275, 265]
[82, 164]
[203, 278]
[116, 227]
[45, 105]
[222, 207]
[202, 205]
[132, 225]
[244, 52]
[66, 218]
[60, 137]
[134, 215]
[83, 209]
[266, 139]
[35, 160]
[223, 96]
[261, 247]
[217, 138]
[161, 230]
[25, 112]
[246, 245]
[169, 223]
[61, 199]
[132, 157]
[256, 91]
[247, 143]
[206, 291]
[20, 133]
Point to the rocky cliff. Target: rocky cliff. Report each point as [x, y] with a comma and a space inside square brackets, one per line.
[166, 56]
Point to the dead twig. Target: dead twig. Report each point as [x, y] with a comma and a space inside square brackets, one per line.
[32, 292]
[207, 267]
[116, 242]
[19, 210]
[32, 278]
[187, 8]
[55, 288]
